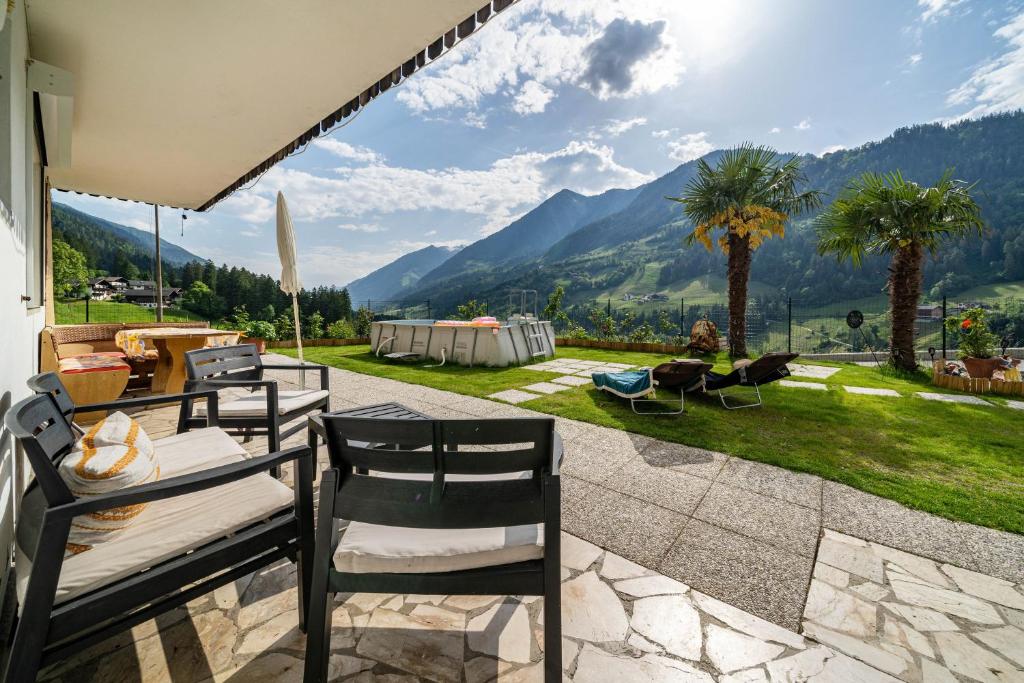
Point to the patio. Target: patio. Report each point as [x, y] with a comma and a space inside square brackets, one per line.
[678, 564]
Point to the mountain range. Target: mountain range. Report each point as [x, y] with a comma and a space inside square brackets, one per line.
[632, 240]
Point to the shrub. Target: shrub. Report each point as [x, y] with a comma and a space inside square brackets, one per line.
[471, 309]
[284, 327]
[314, 326]
[260, 329]
[341, 329]
[363, 321]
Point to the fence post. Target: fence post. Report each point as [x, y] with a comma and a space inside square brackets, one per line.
[789, 325]
[682, 317]
[87, 309]
[609, 309]
[428, 309]
[943, 327]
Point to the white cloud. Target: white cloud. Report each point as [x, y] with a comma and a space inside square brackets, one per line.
[934, 9]
[498, 194]
[690, 146]
[532, 99]
[914, 59]
[664, 132]
[805, 124]
[997, 84]
[775, 130]
[249, 232]
[832, 148]
[430, 233]
[362, 227]
[347, 151]
[616, 127]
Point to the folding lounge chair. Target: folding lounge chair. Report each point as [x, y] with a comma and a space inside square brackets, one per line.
[637, 384]
[751, 374]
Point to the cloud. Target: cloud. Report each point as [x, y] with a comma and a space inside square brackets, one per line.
[347, 151]
[616, 127]
[997, 84]
[690, 146]
[914, 59]
[934, 9]
[832, 148]
[249, 232]
[805, 124]
[532, 99]
[664, 132]
[628, 59]
[775, 130]
[430, 233]
[497, 194]
[362, 227]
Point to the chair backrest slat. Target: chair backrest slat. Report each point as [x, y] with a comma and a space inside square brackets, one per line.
[485, 448]
[49, 383]
[46, 435]
[215, 360]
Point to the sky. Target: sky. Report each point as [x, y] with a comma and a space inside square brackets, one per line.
[588, 96]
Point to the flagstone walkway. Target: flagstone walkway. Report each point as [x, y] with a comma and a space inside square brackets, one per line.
[679, 565]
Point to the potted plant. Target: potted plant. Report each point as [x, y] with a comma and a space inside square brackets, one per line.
[259, 332]
[977, 344]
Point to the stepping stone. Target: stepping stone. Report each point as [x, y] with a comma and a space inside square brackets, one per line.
[871, 391]
[953, 398]
[513, 396]
[585, 373]
[571, 380]
[814, 371]
[545, 387]
[1016, 405]
[817, 386]
[542, 368]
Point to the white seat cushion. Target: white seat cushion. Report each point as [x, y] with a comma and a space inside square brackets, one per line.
[170, 527]
[255, 404]
[371, 548]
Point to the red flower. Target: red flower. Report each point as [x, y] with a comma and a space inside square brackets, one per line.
[966, 324]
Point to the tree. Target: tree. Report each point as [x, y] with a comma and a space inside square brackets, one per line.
[314, 326]
[202, 300]
[887, 214]
[69, 270]
[749, 195]
[471, 309]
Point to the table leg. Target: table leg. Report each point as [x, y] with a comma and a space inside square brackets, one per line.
[169, 377]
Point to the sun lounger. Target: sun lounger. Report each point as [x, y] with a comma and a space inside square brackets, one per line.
[637, 385]
[750, 374]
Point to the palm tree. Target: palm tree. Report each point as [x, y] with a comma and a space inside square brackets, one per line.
[749, 195]
[886, 214]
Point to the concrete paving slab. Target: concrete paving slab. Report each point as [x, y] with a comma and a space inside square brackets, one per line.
[571, 380]
[670, 489]
[545, 388]
[1016, 405]
[785, 525]
[774, 482]
[953, 398]
[812, 371]
[638, 531]
[817, 386]
[994, 552]
[696, 462]
[513, 396]
[871, 391]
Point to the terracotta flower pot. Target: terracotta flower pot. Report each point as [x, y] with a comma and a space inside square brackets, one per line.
[261, 344]
[981, 368]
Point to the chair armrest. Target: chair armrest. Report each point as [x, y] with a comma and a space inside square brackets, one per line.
[210, 395]
[322, 369]
[183, 485]
[270, 384]
[557, 451]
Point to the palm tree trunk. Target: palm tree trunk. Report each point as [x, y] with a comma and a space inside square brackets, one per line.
[739, 274]
[904, 293]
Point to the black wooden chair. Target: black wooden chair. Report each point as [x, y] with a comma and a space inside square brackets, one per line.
[267, 408]
[213, 517]
[440, 495]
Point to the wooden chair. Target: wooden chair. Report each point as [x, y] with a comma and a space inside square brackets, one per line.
[440, 505]
[266, 409]
[214, 517]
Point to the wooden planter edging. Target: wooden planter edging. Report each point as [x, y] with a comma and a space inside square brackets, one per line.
[290, 343]
[621, 346]
[975, 385]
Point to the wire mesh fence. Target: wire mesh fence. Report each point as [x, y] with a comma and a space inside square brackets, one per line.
[88, 310]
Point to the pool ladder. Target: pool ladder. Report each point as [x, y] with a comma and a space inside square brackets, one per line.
[535, 339]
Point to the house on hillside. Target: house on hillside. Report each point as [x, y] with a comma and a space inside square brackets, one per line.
[147, 296]
[104, 288]
[928, 312]
[141, 284]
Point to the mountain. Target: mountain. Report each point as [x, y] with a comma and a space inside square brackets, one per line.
[104, 242]
[533, 234]
[401, 274]
[641, 247]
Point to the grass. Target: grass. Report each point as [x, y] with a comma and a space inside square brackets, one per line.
[958, 461]
[73, 313]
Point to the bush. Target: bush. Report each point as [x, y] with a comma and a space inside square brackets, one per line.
[341, 329]
[284, 327]
[975, 339]
[471, 309]
[363, 321]
[260, 329]
[314, 326]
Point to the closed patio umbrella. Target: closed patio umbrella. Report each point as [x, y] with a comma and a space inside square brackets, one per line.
[290, 283]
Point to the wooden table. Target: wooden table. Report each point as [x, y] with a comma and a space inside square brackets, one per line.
[172, 343]
[390, 411]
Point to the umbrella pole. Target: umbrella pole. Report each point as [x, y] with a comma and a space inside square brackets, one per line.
[298, 336]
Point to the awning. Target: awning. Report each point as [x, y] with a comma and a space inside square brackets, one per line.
[181, 103]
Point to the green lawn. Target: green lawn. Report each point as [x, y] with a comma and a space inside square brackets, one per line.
[73, 313]
[962, 462]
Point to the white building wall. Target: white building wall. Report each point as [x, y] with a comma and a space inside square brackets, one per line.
[21, 269]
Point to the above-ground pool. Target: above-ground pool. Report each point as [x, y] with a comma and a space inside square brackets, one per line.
[513, 342]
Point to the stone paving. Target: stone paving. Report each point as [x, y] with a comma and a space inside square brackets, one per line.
[705, 555]
[914, 618]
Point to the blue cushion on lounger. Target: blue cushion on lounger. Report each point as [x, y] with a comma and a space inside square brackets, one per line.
[626, 384]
